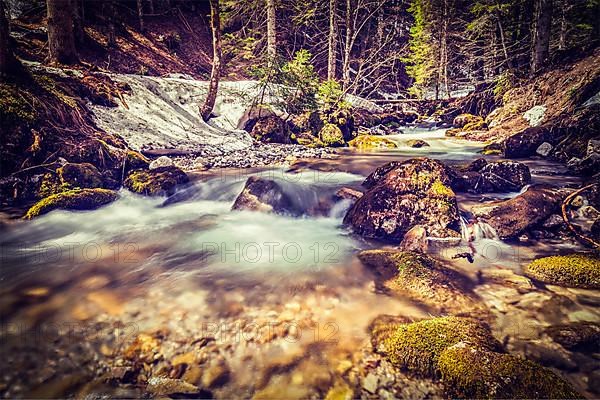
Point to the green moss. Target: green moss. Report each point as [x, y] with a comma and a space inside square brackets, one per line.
[82, 175]
[574, 270]
[78, 199]
[417, 346]
[438, 189]
[51, 184]
[14, 106]
[158, 182]
[371, 142]
[473, 372]
[136, 160]
[331, 135]
[491, 152]
[477, 125]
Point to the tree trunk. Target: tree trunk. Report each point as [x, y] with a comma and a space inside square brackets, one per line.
[541, 34]
[8, 62]
[78, 31]
[347, 46]
[331, 58]
[215, 24]
[112, 35]
[61, 41]
[271, 30]
[140, 11]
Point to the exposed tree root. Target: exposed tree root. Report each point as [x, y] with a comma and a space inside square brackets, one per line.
[586, 240]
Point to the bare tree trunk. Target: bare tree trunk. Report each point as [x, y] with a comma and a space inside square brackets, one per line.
[271, 30]
[331, 58]
[347, 46]
[61, 41]
[541, 34]
[8, 62]
[140, 11]
[215, 24]
[151, 6]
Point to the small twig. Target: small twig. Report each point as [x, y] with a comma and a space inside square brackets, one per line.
[564, 206]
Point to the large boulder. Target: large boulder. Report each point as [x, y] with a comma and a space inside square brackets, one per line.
[161, 181]
[266, 196]
[512, 217]
[402, 195]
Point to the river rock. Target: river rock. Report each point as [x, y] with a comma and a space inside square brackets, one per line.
[500, 176]
[77, 199]
[474, 372]
[526, 142]
[544, 149]
[82, 175]
[415, 240]
[417, 143]
[512, 217]
[160, 162]
[423, 279]
[346, 193]
[535, 115]
[162, 181]
[266, 196]
[403, 195]
[573, 270]
[577, 336]
[504, 176]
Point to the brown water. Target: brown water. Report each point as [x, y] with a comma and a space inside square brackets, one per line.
[247, 303]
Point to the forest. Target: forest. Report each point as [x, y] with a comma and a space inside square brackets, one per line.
[285, 199]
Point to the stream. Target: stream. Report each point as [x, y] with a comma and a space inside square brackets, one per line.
[262, 305]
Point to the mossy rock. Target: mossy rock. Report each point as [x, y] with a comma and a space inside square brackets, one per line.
[423, 279]
[309, 121]
[331, 135]
[417, 346]
[306, 139]
[158, 182]
[135, 160]
[573, 270]
[82, 175]
[77, 199]
[417, 143]
[371, 142]
[474, 372]
[464, 119]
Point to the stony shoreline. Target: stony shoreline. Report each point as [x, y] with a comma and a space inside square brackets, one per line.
[257, 155]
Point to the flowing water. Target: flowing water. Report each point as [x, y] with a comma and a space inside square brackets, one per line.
[280, 301]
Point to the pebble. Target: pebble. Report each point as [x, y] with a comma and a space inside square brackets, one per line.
[160, 162]
[370, 383]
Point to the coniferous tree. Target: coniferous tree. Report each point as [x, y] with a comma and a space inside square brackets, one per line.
[8, 62]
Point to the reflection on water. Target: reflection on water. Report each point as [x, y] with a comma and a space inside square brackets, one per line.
[280, 301]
